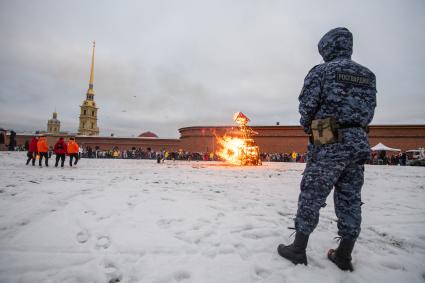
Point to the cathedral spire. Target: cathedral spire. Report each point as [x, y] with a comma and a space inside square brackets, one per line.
[88, 110]
[90, 91]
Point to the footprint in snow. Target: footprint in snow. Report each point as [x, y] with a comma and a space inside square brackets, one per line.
[394, 265]
[167, 222]
[83, 236]
[281, 213]
[262, 273]
[24, 222]
[219, 215]
[113, 274]
[257, 235]
[103, 242]
[177, 276]
[90, 212]
[242, 228]
[226, 250]
[168, 199]
[181, 275]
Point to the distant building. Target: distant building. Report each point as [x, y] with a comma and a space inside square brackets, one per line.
[53, 124]
[88, 113]
[148, 135]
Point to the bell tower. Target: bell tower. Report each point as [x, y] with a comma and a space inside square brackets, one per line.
[88, 110]
[53, 124]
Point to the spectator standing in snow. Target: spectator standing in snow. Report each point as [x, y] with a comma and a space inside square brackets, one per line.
[32, 151]
[73, 150]
[80, 152]
[60, 150]
[43, 149]
[2, 138]
[12, 141]
[337, 103]
[158, 157]
[403, 159]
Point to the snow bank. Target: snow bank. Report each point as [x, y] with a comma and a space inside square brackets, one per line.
[137, 221]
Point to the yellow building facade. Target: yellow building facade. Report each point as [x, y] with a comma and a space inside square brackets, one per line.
[53, 124]
[88, 110]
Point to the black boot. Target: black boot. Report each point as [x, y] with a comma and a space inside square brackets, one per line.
[295, 252]
[342, 255]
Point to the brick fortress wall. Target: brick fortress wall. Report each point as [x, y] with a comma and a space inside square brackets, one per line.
[270, 138]
[292, 138]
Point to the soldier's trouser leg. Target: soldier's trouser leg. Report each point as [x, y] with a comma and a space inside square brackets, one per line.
[318, 180]
[347, 198]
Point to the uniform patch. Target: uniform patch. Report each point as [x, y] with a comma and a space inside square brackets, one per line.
[353, 79]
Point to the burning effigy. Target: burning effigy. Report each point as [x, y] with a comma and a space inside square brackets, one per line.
[239, 147]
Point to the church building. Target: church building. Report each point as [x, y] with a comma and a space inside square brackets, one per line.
[88, 110]
[53, 124]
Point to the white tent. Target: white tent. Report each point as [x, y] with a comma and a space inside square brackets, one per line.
[381, 146]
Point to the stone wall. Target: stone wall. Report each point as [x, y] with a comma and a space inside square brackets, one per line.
[269, 138]
[106, 143]
[292, 138]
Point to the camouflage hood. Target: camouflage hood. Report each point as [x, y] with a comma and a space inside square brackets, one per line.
[336, 43]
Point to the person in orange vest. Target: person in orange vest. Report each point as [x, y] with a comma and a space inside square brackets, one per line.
[43, 149]
[72, 151]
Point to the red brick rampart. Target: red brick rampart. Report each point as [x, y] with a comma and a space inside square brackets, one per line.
[269, 138]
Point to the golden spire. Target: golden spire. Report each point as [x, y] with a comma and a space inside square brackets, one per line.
[90, 91]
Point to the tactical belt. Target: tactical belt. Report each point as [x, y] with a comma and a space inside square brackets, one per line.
[327, 131]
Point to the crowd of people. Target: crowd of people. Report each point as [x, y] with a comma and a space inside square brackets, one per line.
[377, 158]
[381, 158]
[141, 153]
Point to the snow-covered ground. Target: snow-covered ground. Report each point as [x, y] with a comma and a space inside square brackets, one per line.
[138, 221]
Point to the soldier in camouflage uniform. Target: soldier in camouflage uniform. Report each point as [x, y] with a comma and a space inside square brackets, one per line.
[345, 90]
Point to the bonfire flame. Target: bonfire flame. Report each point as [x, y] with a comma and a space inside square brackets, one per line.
[239, 149]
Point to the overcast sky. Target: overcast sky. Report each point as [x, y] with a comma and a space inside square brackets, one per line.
[163, 65]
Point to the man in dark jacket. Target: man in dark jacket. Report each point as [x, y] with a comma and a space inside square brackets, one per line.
[32, 151]
[339, 94]
[2, 138]
[12, 141]
[60, 150]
